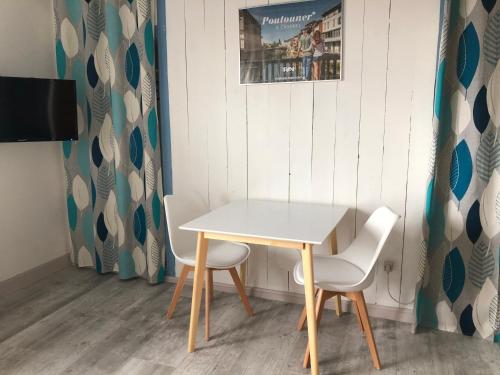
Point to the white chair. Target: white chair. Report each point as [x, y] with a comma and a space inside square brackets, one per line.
[350, 272]
[221, 256]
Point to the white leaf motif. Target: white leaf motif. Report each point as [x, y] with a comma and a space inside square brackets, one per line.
[80, 193]
[493, 96]
[132, 105]
[490, 211]
[136, 186]
[454, 221]
[69, 38]
[481, 309]
[460, 112]
[128, 22]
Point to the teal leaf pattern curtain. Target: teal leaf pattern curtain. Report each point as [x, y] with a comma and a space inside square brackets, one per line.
[458, 279]
[113, 172]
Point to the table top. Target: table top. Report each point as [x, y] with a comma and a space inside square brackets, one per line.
[295, 222]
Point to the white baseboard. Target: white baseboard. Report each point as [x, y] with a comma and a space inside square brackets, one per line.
[374, 310]
[33, 275]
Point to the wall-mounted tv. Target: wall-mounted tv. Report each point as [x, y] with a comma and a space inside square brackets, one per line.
[33, 109]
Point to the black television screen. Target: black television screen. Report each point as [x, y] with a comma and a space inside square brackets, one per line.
[33, 109]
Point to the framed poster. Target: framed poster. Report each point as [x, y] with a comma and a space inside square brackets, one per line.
[291, 42]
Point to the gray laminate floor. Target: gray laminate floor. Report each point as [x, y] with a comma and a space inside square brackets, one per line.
[78, 322]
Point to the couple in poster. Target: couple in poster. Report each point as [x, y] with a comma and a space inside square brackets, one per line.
[312, 48]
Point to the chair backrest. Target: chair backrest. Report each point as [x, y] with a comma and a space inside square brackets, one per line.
[365, 250]
[179, 210]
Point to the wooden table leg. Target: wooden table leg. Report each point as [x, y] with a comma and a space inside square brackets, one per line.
[334, 249]
[312, 333]
[199, 272]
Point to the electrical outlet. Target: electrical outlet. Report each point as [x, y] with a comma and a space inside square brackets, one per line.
[388, 266]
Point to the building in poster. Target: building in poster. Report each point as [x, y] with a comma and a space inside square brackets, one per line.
[291, 42]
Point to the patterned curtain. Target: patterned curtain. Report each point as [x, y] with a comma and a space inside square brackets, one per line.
[458, 282]
[113, 172]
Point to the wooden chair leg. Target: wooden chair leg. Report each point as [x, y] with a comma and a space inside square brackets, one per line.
[303, 315]
[241, 291]
[243, 273]
[338, 305]
[178, 290]
[321, 298]
[360, 323]
[208, 298]
[365, 320]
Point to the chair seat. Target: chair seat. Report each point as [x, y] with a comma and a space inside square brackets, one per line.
[332, 273]
[221, 255]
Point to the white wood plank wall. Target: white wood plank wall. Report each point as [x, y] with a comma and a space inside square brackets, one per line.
[362, 141]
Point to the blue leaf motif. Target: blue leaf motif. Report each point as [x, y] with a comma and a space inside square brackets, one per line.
[60, 60]
[74, 8]
[466, 322]
[480, 112]
[84, 33]
[113, 27]
[126, 265]
[468, 55]
[88, 229]
[123, 193]
[89, 115]
[140, 225]
[473, 223]
[67, 148]
[118, 112]
[98, 264]
[72, 212]
[439, 93]
[149, 42]
[489, 5]
[94, 192]
[425, 310]
[132, 66]
[156, 210]
[92, 76]
[102, 231]
[453, 275]
[83, 156]
[152, 128]
[136, 148]
[434, 213]
[96, 152]
[460, 170]
[161, 275]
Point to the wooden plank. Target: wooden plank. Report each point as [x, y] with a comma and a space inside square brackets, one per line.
[236, 106]
[179, 123]
[323, 141]
[420, 149]
[348, 116]
[371, 137]
[214, 105]
[301, 141]
[198, 86]
[276, 173]
[257, 109]
[401, 70]
[215, 108]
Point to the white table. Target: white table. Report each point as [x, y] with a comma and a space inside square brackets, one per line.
[272, 223]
